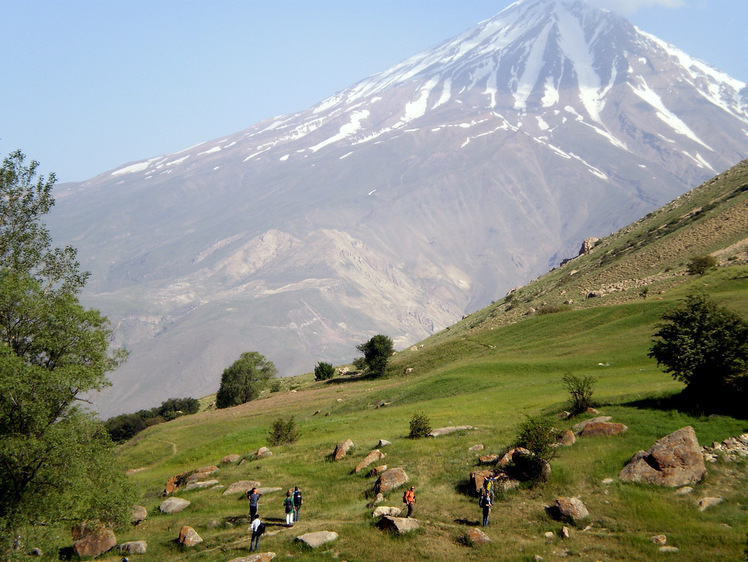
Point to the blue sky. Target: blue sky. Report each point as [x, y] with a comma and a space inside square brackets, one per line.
[89, 85]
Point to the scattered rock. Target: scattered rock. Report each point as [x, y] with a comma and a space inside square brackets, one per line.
[36, 551]
[569, 509]
[138, 514]
[489, 459]
[133, 547]
[705, 503]
[476, 537]
[578, 427]
[383, 443]
[447, 430]
[262, 453]
[268, 490]
[373, 456]
[684, 490]
[594, 411]
[607, 481]
[384, 510]
[377, 470]
[504, 483]
[184, 478]
[241, 487]
[659, 539]
[341, 449]
[668, 549]
[400, 525]
[228, 459]
[597, 429]
[508, 458]
[188, 536]
[390, 479]
[317, 539]
[92, 539]
[477, 447]
[565, 532]
[257, 557]
[173, 505]
[730, 449]
[549, 536]
[567, 438]
[200, 485]
[673, 461]
[379, 498]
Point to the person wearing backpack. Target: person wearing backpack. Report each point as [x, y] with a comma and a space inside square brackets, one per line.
[258, 528]
[297, 501]
[288, 506]
[485, 502]
[409, 498]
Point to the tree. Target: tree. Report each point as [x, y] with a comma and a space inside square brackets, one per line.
[703, 345]
[580, 391]
[377, 352]
[283, 432]
[244, 379]
[701, 264]
[324, 371]
[420, 426]
[56, 459]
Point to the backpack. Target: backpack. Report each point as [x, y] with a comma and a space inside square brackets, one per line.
[260, 529]
[297, 498]
[405, 497]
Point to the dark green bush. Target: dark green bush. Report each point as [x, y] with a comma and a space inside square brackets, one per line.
[283, 431]
[420, 426]
[580, 391]
[324, 371]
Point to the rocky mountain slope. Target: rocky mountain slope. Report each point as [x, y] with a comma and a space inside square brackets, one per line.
[399, 204]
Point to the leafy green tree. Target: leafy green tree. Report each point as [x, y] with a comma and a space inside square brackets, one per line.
[701, 264]
[244, 379]
[377, 352]
[56, 460]
[324, 371]
[420, 426]
[703, 345]
[283, 432]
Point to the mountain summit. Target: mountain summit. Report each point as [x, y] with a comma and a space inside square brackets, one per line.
[399, 204]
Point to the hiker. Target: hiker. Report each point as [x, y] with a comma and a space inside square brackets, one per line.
[488, 485]
[253, 496]
[258, 528]
[485, 502]
[288, 506]
[297, 501]
[409, 497]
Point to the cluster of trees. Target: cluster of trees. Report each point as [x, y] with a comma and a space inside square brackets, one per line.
[56, 459]
[125, 426]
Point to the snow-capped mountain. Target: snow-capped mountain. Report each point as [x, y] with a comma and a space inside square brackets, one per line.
[399, 204]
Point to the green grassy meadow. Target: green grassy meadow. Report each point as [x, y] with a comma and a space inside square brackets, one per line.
[489, 379]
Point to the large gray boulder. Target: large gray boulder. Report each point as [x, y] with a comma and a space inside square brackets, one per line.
[673, 461]
[382, 510]
[173, 505]
[390, 479]
[241, 487]
[133, 547]
[92, 539]
[188, 536]
[399, 525]
[569, 509]
[318, 538]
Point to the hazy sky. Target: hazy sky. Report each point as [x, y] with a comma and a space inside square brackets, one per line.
[89, 85]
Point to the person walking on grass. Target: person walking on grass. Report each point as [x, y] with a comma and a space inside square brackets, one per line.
[253, 496]
[288, 506]
[485, 502]
[297, 501]
[409, 498]
[258, 528]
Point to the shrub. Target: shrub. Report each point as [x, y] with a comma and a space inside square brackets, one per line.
[275, 385]
[420, 426]
[324, 371]
[580, 392]
[283, 431]
[537, 435]
[377, 352]
[701, 264]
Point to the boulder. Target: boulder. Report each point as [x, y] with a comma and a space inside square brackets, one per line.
[188, 536]
[659, 540]
[705, 503]
[477, 477]
[475, 537]
[508, 458]
[379, 498]
[447, 430]
[133, 547]
[383, 443]
[341, 449]
[179, 480]
[596, 429]
[241, 487]
[567, 438]
[503, 483]
[377, 470]
[578, 427]
[262, 453]
[373, 456]
[173, 505]
[268, 490]
[318, 538]
[228, 459]
[399, 525]
[92, 539]
[384, 510]
[258, 557]
[673, 461]
[390, 479]
[138, 514]
[475, 448]
[569, 509]
[489, 459]
[200, 485]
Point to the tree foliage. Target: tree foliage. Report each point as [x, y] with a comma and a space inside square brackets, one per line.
[324, 371]
[283, 432]
[125, 426]
[244, 379]
[580, 391]
[420, 426]
[377, 352]
[703, 345]
[699, 265]
[56, 460]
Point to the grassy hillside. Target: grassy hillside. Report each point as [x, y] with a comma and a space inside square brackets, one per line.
[489, 371]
